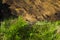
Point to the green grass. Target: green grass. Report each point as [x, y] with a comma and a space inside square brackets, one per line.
[19, 29]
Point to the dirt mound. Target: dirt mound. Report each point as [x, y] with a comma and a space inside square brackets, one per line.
[34, 10]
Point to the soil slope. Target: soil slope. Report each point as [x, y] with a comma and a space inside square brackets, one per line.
[35, 10]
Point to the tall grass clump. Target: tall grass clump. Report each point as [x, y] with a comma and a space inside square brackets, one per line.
[19, 29]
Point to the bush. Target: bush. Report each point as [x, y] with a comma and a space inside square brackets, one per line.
[19, 29]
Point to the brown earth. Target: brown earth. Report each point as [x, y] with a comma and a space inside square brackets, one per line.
[35, 10]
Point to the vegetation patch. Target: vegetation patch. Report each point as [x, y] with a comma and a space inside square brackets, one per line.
[19, 29]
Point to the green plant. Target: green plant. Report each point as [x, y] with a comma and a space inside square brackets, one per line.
[45, 31]
[19, 29]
